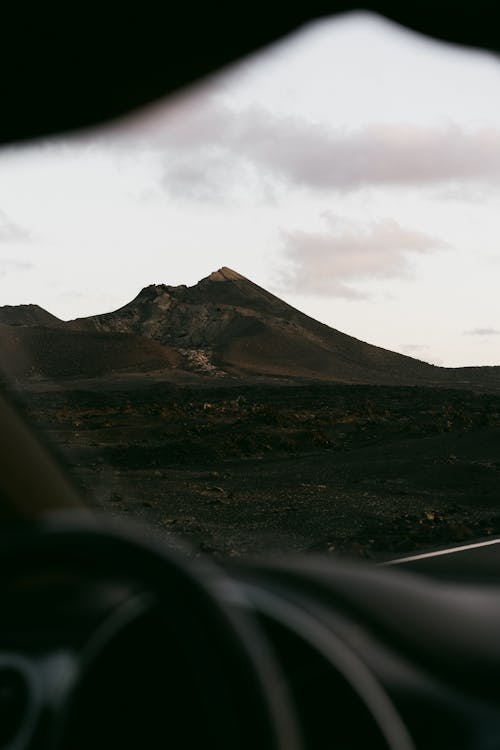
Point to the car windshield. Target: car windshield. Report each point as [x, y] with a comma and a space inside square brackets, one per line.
[263, 315]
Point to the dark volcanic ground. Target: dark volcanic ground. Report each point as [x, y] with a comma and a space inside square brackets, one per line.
[371, 471]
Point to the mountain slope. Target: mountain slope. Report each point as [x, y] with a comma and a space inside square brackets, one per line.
[244, 330]
[43, 352]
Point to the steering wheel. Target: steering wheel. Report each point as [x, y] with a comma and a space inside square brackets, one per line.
[122, 643]
[163, 663]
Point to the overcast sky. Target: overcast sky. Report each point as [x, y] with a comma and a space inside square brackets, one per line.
[353, 169]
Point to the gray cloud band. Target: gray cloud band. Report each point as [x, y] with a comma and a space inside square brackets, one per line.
[310, 155]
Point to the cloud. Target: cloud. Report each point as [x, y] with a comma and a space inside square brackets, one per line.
[10, 231]
[483, 332]
[208, 178]
[469, 192]
[329, 261]
[311, 155]
[11, 265]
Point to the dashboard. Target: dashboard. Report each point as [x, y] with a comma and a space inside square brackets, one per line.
[108, 640]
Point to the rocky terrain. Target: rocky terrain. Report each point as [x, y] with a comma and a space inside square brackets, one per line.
[230, 420]
[371, 471]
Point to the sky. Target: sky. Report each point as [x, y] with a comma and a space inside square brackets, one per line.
[353, 169]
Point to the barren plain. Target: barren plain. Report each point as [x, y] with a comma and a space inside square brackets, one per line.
[232, 422]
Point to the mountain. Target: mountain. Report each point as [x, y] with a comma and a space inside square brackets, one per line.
[27, 315]
[225, 325]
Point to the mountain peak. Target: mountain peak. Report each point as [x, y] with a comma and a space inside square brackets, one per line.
[27, 315]
[225, 274]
